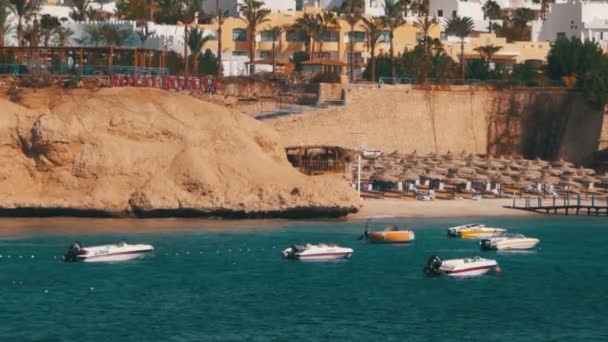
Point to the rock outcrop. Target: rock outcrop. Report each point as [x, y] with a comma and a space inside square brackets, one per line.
[151, 153]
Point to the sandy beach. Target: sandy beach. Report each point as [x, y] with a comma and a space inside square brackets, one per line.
[439, 208]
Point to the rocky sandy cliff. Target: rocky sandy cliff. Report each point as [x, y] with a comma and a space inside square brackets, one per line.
[142, 152]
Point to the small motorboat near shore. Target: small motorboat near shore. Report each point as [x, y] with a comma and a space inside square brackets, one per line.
[466, 267]
[106, 253]
[509, 242]
[390, 234]
[322, 251]
[481, 232]
[455, 231]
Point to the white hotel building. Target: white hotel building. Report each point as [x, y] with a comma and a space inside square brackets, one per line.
[584, 19]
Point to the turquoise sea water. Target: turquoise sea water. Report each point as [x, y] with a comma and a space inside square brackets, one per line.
[233, 285]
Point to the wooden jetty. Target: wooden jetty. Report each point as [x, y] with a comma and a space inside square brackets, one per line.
[590, 206]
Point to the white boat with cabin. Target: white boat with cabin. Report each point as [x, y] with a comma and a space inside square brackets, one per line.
[107, 253]
[509, 242]
[321, 251]
[467, 267]
[454, 231]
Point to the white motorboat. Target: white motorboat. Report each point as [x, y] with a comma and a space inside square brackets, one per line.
[466, 267]
[322, 251]
[106, 253]
[509, 242]
[454, 231]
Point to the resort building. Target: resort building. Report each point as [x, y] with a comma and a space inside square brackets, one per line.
[334, 46]
[574, 18]
[509, 53]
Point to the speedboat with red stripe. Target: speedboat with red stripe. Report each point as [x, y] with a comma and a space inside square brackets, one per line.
[467, 267]
[106, 253]
[322, 251]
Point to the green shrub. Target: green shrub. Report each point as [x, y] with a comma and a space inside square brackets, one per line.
[327, 77]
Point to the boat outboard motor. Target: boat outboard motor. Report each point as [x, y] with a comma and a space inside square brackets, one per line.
[486, 244]
[452, 233]
[432, 266]
[74, 250]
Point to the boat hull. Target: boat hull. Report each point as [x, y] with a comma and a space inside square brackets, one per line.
[516, 245]
[391, 237]
[472, 272]
[323, 256]
[115, 257]
[481, 234]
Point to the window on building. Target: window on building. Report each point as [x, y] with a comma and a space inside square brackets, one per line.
[266, 36]
[265, 54]
[358, 59]
[299, 5]
[440, 13]
[330, 36]
[454, 13]
[359, 36]
[295, 36]
[561, 35]
[385, 37]
[325, 55]
[239, 53]
[239, 35]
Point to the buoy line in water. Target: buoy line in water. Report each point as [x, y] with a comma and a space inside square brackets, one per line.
[6, 257]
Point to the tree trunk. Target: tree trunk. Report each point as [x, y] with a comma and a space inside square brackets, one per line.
[274, 56]
[352, 52]
[490, 26]
[220, 67]
[186, 50]
[373, 62]
[151, 9]
[462, 58]
[320, 53]
[20, 31]
[195, 56]
[252, 51]
[393, 66]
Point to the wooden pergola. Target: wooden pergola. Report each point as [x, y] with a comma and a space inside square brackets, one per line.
[86, 60]
[319, 159]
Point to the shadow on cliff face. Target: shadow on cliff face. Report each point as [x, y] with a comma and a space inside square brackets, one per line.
[533, 123]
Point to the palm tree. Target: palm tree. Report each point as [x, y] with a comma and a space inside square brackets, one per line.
[393, 18]
[275, 32]
[196, 41]
[460, 27]
[492, 11]
[352, 12]
[220, 16]
[254, 15]
[544, 6]
[48, 24]
[188, 11]
[328, 22]
[4, 24]
[374, 28]
[93, 35]
[425, 24]
[309, 26]
[144, 33]
[63, 35]
[23, 9]
[420, 7]
[80, 10]
[487, 53]
[31, 33]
